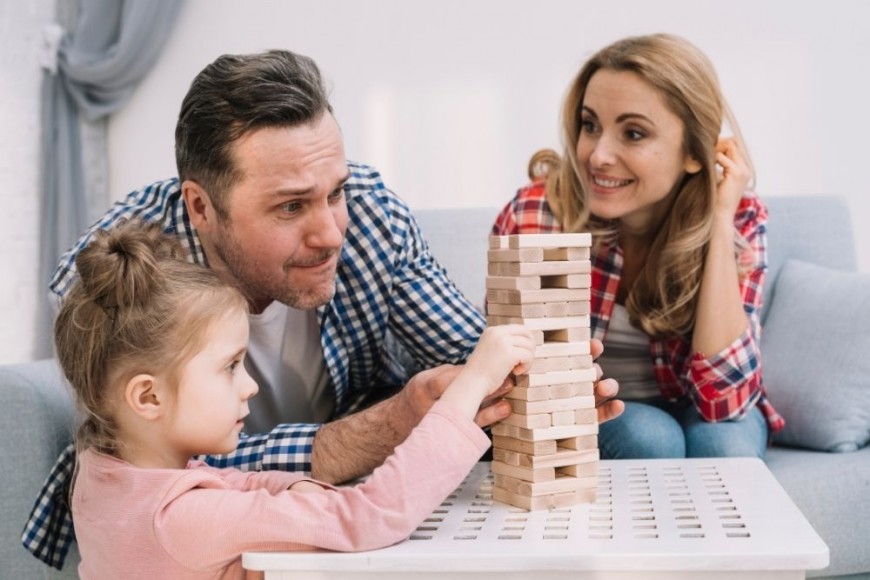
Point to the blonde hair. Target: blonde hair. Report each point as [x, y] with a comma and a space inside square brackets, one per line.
[136, 307]
[663, 298]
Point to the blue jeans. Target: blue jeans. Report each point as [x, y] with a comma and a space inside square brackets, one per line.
[660, 429]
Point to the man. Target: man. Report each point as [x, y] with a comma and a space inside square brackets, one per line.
[331, 262]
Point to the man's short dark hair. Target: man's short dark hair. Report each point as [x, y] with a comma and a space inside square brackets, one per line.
[234, 95]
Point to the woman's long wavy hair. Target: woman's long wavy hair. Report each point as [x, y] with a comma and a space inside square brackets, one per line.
[663, 298]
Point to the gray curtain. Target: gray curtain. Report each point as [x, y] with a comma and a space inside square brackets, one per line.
[99, 61]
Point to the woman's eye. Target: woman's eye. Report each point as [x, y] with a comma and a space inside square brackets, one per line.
[634, 135]
[587, 126]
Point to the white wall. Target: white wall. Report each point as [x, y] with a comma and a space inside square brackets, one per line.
[450, 97]
[20, 40]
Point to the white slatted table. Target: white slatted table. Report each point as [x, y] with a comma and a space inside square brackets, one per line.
[660, 519]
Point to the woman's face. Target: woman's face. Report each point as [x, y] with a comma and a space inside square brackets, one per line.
[630, 150]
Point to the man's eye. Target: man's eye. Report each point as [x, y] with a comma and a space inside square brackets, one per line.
[337, 194]
[291, 207]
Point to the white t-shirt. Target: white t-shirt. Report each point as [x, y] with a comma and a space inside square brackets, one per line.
[286, 359]
[626, 358]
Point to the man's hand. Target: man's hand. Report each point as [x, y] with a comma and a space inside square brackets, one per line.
[353, 446]
[427, 386]
[605, 390]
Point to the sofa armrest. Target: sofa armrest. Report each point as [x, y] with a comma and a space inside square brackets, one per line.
[36, 412]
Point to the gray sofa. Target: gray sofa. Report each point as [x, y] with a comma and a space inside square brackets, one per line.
[831, 489]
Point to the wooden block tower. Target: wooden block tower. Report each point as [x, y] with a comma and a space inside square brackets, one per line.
[545, 455]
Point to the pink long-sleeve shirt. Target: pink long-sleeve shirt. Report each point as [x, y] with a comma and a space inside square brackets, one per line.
[132, 522]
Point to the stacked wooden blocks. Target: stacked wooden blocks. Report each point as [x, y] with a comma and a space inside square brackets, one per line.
[545, 455]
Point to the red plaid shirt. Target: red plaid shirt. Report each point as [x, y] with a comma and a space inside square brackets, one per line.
[723, 386]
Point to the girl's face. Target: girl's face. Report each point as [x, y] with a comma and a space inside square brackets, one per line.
[213, 392]
[630, 150]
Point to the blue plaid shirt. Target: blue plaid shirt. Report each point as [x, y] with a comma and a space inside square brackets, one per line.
[387, 283]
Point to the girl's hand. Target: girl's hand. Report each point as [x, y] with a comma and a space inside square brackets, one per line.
[735, 177]
[500, 351]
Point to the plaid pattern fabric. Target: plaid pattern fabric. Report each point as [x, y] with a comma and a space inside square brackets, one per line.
[723, 386]
[387, 282]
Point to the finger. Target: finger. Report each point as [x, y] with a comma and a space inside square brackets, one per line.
[598, 372]
[610, 410]
[596, 348]
[493, 413]
[606, 389]
[500, 392]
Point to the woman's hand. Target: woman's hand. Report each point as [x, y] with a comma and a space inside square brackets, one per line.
[735, 177]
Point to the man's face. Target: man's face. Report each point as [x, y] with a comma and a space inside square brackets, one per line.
[287, 215]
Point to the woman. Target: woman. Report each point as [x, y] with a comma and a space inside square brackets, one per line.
[679, 248]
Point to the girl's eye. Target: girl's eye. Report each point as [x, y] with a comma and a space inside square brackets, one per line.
[634, 135]
[587, 126]
[232, 367]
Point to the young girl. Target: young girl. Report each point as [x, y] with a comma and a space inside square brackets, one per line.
[679, 256]
[154, 349]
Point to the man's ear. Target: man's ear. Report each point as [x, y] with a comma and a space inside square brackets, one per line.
[199, 205]
[692, 165]
[146, 397]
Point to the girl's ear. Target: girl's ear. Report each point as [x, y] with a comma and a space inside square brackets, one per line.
[145, 397]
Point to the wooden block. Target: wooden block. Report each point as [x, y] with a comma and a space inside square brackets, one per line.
[517, 310]
[585, 416]
[531, 421]
[550, 349]
[550, 433]
[561, 323]
[556, 378]
[542, 502]
[551, 392]
[561, 458]
[566, 308]
[516, 283]
[561, 363]
[496, 242]
[524, 473]
[551, 405]
[528, 393]
[568, 335]
[530, 447]
[580, 469]
[566, 281]
[563, 418]
[566, 254]
[579, 443]
[572, 390]
[523, 255]
[536, 296]
[545, 269]
[560, 484]
[582, 240]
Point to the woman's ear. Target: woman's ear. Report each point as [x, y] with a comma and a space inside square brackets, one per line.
[145, 397]
[692, 165]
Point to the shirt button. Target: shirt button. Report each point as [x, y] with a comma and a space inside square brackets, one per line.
[659, 361]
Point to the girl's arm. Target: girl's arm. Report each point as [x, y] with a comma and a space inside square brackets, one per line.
[208, 528]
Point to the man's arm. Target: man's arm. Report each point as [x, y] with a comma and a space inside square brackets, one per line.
[357, 444]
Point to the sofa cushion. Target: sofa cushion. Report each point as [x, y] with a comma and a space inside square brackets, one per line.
[816, 356]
